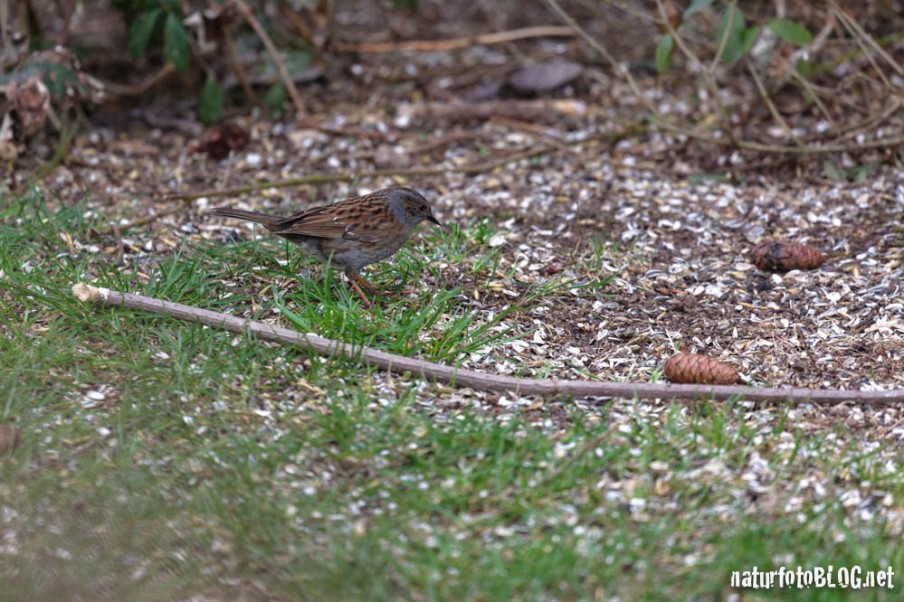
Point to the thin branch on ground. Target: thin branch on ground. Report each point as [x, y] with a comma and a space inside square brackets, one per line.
[442, 374]
[235, 63]
[870, 122]
[443, 141]
[771, 105]
[864, 39]
[284, 75]
[732, 11]
[119, 260]
[813, 92]
[613, 64]
[473, 168]
[494, 17]
[117, 230]
[502, 37]
[535, 129]
[62, 149]
[709, 73]
[527, 110]
[852, 147]
[297, 23]
[887, 40]
[631, 129]
[117, 89]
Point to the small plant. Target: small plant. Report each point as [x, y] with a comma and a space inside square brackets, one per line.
[157, 20]
[202, 37]
[733, 36]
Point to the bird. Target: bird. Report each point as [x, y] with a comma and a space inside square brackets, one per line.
[352, 233]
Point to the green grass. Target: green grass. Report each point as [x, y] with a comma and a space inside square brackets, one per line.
[163, 460]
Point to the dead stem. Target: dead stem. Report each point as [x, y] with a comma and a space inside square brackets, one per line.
[456, 377]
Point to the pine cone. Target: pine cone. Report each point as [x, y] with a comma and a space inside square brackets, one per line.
[783, 256]
[692, 368]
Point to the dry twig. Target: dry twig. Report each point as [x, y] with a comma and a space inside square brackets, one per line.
[526, 110]
[865, 40]
[473, 168]
[613, 64]
[456, 377]
[117, 230]
[274, 54]
[764, 94]
[116, 89]
[708, 73]
[630, 129]
[502, 37]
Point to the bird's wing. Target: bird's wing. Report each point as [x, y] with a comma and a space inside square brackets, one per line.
[373, 231]
[317, 223]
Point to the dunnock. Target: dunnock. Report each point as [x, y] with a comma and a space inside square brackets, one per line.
[352, 233]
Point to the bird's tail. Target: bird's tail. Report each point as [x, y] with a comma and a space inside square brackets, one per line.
[270, 221]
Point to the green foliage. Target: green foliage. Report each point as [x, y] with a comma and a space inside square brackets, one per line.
[804, 68]
[297, 60]
[157, 22]
[210, 105]
[838, 173]
[58, 77]
[664, 50]
[275, 97]
[732, 36]
[410, 5]
[152, 20]
[791, 31]
[175, 42]
[143, 27]
[696, 6]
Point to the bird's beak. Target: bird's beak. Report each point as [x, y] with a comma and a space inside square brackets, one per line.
[434, 220]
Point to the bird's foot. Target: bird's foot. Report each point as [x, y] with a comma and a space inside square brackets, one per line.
[358, 283]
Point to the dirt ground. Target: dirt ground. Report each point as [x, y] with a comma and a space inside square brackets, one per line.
[612, 241]
[620, 241]
[669, 219]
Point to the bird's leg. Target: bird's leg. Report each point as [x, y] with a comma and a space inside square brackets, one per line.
[367, 286]
[357, 283]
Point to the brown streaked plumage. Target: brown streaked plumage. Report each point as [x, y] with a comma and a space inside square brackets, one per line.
[352, 233]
